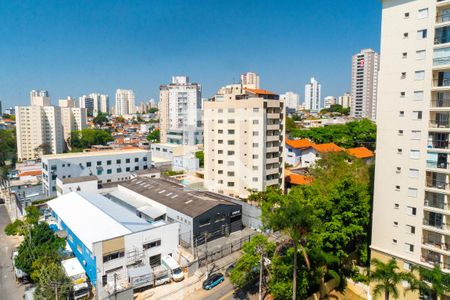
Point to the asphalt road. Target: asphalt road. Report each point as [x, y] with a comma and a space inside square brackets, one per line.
[226, 291]
[9, 289]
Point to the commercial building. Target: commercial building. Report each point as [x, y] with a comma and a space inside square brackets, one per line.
[180, 112]
[411, 212]
[244, 141]
[313, 100]
[250, 80]
[365, 67]
[38, 130]
[107, 165]
[291, 101]
[125, 102]
[183, 158]
[110, 242]
[199, 213]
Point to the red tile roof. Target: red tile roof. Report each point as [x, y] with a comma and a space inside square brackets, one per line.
[298, 179]
[259, 91]
[360, 152]
[31, 173]
[326, 148]
[300, 144]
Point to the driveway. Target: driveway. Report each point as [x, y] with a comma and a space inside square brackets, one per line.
[9, 289]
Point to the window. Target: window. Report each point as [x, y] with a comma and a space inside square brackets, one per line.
[405, 55]
[395, 224]
[397, 188]
[411, 211]
[414, 154]
[255, 156]
[410, 229]
[403, 76]
[230, 163]
[423, 13]
[255, 122]
[230, 152]
[230, 173]
[230, 131]
[407, 266]
[418, 95]
[419, 75]
[255, 145]
[220, 161]
[136, 159]
[88, 164]
[127, 161]
[152, 244]
[399, 150]
[402, 113]
[231, 110]
[99, 163]
[127, 169]
[420, 54]
[255, 109]
[412, 192]
[402, 94]
[399, 170]
[400, 132]
[413, 173]
[109, 171]
[406, 15]
[113, 255]
[409, 247]
[230, 121]
[220, 121]
[255, 179]
[220, 131]
[108, 162]
[144, 158]
[394, 241]
[230, 183]
[155, 260]
[417, 115]
[231, 142]
[396, 205]
[422, 34]
[415, 134]
[204, 222]
[118, 161]
[220, 172]
[220, 141]
[405, 35]
[119, 170]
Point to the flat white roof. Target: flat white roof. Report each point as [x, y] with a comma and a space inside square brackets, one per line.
[93, 217]
[94, 153]
[72, 267]
[158, 159]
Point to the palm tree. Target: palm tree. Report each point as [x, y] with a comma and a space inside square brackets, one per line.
[432, 282]
[387, 278]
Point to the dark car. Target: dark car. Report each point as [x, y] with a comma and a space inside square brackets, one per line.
[213, 280]
[229, 269]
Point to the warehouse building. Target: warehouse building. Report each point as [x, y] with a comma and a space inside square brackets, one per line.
[199, 213]
[109, 241]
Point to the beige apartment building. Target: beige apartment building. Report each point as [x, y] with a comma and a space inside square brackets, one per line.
[243, 141]
[411, 213]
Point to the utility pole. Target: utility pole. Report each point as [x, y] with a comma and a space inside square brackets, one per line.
[56, 292]
[115, 286]
[206, 253]
[260, 276]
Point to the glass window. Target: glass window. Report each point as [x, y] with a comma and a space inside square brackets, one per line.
[423, 13]
[420, 54]
[415, 154]
[422, 34]
[419, 75]
[418, 95]
[412, 192]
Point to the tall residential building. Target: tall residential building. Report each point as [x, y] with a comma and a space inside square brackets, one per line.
[39, 98]
[313, 96]
[68, 102]
[72, 118]
[243, 141]
[125, 102]
[291, 101]
[39, 130]
[250, 80]
[87, 102]
[411, 211]
[345, 100]
[180, 112]
[329, 100]
[104, 104]
[365, 67]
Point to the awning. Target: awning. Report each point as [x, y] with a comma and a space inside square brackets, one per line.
[151, 211]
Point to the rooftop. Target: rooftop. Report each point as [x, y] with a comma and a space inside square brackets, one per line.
[360, 152]
[326, 148]
[93, 217]
[94, 153]
[72, 267]
[79, 179]
[176, 196]
[259, 91]
[299, 144]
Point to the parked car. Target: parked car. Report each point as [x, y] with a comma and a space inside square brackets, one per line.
[213, 280]
[229, 269]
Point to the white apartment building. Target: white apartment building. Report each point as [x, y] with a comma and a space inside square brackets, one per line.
[39, 98]
[411, 213]
[68, 102]
[180, 112]
[38, 126]
[291, 100]
[87, 103]
[365, 67]
[250, 80]
[101, 103]
[125, 102]
[345, 100]
[108, 166]
[329, 100]
[182, 156]
[313, 100]
[73, 119]
[244, 141]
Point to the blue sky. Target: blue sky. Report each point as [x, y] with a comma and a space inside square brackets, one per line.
[76, 47]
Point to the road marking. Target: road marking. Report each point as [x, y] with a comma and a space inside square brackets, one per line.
[226, 295]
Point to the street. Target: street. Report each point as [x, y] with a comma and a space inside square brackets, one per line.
[9, 289]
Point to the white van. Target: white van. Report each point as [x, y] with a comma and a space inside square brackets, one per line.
[173, 267]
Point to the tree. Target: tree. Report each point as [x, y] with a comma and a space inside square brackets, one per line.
[201, 157]
[152, 110]
[246, 269]
[7, 116]
[290, 125]
[101, 119]
[19, 227]
[8, 146]
[43, 149]
[154, 136]
[52, 282]
[120, 119]
[433, 283]
[88, 137]
[292, 215]
[387, 278]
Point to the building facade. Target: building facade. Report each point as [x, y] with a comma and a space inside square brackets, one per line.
[180, 112]
[244, 141]
[313, 100]
[291, 101]
[345, 100]
[411, 214]
[73, 119]
[365, 67]
[125, 102]
[329, 100]
[108, 166]
[39, 98]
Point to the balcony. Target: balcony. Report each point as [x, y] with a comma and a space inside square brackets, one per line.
[441, 83]
[436, 224]
[441, 61]
[436, 203]
[437, 245]
[437, 165]
[442, 17]
[441, 124]
[438, 144]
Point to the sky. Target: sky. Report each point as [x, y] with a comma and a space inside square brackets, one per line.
[75, 47]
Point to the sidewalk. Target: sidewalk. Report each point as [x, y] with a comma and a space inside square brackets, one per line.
[187, 288]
